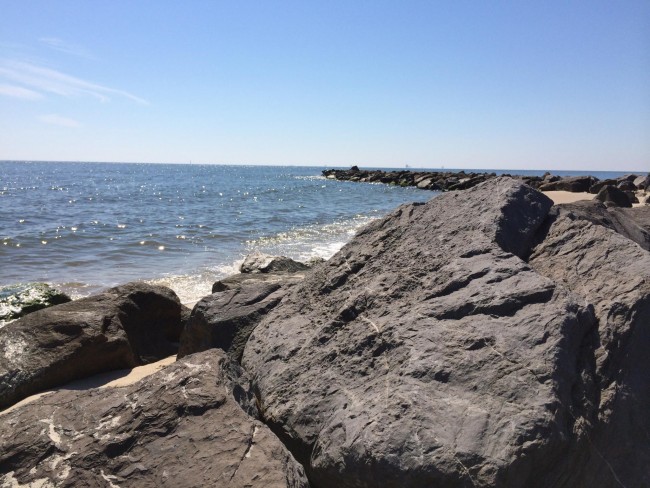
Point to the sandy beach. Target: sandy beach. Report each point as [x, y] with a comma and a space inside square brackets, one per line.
[559, 197]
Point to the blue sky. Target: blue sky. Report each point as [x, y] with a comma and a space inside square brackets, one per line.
[460, 84]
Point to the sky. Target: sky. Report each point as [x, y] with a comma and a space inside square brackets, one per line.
[457, 84]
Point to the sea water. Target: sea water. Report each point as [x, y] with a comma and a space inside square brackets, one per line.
[87, 226]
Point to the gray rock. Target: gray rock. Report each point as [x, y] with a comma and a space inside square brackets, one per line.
[120, 328]
[633, 223]
[425, 183]
[630, 177]
[626, 185]
[596, 187]
[23, 298]
[612, 196]
[235, 282]
[574, 184]
[226, 319]
[187, 425]
[264, 263]
[642, 182]
[427, 353]
[613, 273]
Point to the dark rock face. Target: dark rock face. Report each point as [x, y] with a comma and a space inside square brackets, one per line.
[186, 312]
[427, 353]
[21, 299]
[596, 187]
[626, 185]
[265, 263]
[120, 328]
[573, 184]
[613, 197]
[611, 272]
[429, 180]
[633, 223]
[226, 319]
[187, 425]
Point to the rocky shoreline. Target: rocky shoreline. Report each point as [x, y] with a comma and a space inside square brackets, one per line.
[627, 185]
[486, 338]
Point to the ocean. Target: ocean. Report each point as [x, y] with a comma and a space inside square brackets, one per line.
[86, 226]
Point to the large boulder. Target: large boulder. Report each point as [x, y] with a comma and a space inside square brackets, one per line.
[23, 298]
[428, 353]
[188, 425]
[596, 187]
[596, 262]
[633, 223]
[642, 182]
[125, 326]
[575, 184]
[226, 319]
[612, 196]
[626, 185]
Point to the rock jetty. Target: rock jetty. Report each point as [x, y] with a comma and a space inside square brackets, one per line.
[461, 180]
[486, 338]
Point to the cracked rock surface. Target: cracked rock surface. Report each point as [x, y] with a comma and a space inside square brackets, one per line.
[190, 424]
[428, 353]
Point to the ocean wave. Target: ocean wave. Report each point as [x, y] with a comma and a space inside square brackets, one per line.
[315, 240]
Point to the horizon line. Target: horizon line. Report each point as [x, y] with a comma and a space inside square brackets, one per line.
[404, 166]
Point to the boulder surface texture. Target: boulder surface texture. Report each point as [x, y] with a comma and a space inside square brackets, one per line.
[633, 223]
[613, 197]
[427, 352]
[612, 272]
[191, 424]
[123, 327]
[226, 319]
